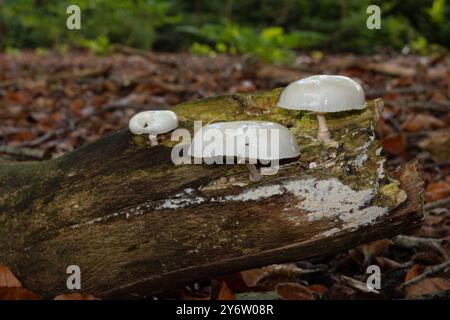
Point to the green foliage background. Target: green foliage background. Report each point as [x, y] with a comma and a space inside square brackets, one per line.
[270, 29]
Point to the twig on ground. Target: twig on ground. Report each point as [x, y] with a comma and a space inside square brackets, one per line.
[436, 165]
[443, 203]
[430, 271]
[359, 285]
[379, 92]
[417, 242]
[22, 152]
[423, 105]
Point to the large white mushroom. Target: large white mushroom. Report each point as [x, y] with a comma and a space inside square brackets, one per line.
[248, 141]
[153, 122]
[323, 94]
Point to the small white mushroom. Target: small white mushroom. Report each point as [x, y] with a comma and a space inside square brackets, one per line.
[248, 141]
[323, 94]
[153, 122]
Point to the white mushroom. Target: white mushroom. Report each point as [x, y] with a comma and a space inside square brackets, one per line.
[248, 141]
[153, 122]
[323, 94]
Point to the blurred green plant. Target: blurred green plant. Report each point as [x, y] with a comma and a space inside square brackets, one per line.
[271, 30]
[43, 23]
[270, 44]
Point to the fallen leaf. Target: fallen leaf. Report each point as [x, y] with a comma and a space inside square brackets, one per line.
[75, 296]
[437, 190]
[427, 286]
[294, 291]
[413, 272]
[76, 107]
[15, 293]
[375, 248]
[395, 144]
[7, 278]
[318, 290]
[225, 292]
[269, 276]
[438, 145]
[253, 276]
[423, 121]
[18, 98]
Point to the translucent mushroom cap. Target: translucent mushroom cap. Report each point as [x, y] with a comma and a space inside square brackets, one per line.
[323, 93]
[255, 140]
[153, 122]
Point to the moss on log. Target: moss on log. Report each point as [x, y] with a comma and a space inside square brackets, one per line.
[137, 224]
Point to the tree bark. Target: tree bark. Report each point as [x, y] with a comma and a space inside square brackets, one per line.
[137, 224]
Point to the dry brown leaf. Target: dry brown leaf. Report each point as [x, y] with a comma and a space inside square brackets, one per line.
[253, 277]
[7, 278]
[75, 296]
[18, 98]
[427, 286]
[225, 292]
[395, 144]
[438, 145]
[423, 121]
[437, 190]
[15, 293]
[294, 291]
[413, 272]
[318, 290]
[375, 248]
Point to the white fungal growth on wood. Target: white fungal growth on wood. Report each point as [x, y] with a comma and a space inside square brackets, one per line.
[256, 194]
[180, 203]
[330, 199]
[327, 233]
[359, 160]
[380, 169]
[320, 199]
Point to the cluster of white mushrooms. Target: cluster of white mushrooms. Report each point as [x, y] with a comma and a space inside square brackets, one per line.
[320, 94]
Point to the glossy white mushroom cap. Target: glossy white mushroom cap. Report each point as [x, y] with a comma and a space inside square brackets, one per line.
[323, 93]
[256, 140]
[153, 122]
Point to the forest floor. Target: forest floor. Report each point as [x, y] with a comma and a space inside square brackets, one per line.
[51, 103]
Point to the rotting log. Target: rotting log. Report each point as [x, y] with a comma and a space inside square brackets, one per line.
[137, 224]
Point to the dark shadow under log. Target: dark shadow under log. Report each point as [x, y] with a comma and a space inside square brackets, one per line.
[137, 224]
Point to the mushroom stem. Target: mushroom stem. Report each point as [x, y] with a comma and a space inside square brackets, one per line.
[254, 176]
[153, 139]
[323, 135]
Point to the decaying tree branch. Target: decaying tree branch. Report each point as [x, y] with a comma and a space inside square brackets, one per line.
[137, 224]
